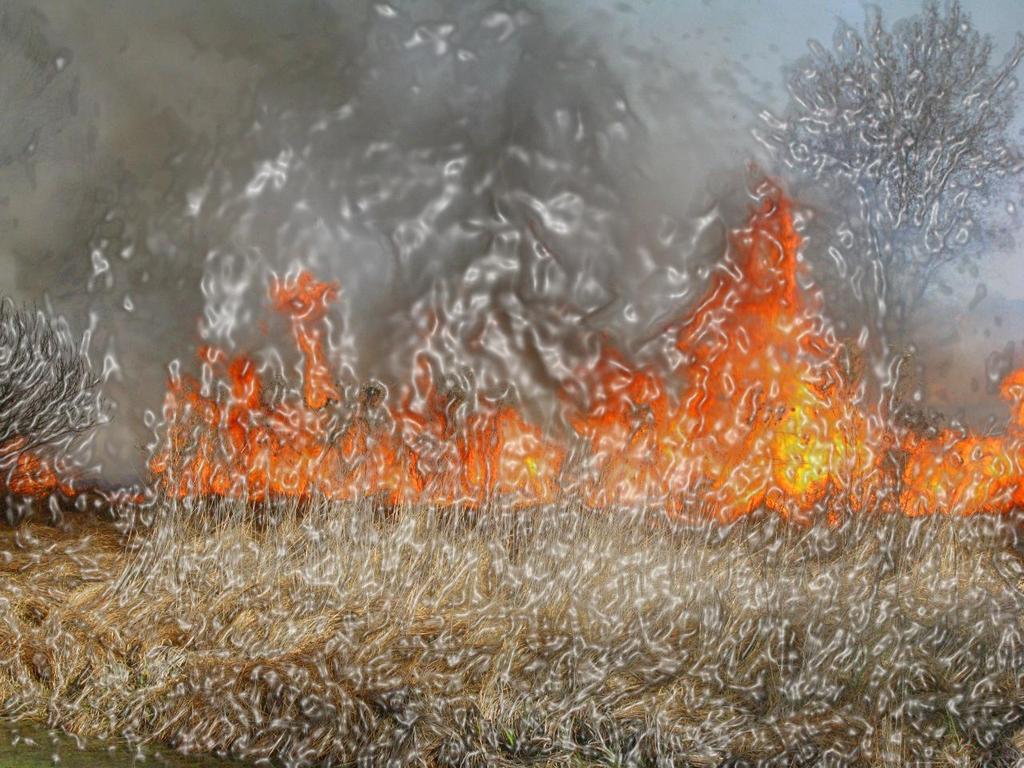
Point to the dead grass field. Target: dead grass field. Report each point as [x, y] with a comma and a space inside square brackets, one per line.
[334, 634]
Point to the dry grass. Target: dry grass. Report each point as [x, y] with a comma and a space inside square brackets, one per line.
[335, 634]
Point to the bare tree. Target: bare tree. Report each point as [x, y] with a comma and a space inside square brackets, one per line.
[49, 392]
[909, 127]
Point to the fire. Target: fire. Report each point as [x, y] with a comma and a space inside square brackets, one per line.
[627, 430]
[29, 474]
[765, 417]
[305, 301]
[965, 474]
[32, 476]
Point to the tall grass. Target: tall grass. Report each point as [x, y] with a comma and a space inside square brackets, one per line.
[324, 633]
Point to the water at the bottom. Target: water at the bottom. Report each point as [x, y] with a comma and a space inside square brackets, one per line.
[24, 745]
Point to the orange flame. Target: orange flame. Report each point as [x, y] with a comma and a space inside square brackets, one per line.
[32, 476]
[964, 474]
[306, 300]
[767, 410]
[29, 474]
[766, 418]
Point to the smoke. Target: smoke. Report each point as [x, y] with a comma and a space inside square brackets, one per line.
[493, 185]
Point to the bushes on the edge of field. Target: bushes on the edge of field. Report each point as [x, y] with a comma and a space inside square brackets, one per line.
[49, 390]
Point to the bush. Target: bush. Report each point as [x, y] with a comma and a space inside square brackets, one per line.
[49, 391]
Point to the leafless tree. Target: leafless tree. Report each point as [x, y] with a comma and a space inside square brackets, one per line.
[909, 126]
[49, 391]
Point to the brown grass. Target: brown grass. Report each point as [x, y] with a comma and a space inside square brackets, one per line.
[335, 633]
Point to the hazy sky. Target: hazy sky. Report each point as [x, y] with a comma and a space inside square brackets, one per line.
[763, 36]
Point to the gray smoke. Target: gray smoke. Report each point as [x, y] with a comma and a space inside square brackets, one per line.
[504, 167]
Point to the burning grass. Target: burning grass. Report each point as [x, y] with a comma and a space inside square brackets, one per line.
[326, 632]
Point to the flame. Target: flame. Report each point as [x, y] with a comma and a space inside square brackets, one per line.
[964, 474]
[33, 476]
[767, 410]
[766, 417]
[29, 474]
[305, 300]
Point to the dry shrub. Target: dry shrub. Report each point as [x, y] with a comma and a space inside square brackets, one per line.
[50, 395]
